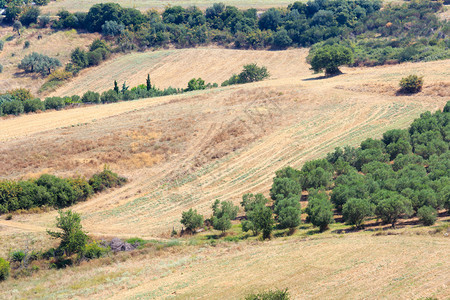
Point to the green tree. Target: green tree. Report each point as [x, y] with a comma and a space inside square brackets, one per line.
[288, 211]
[30, 15]
[319, 210]
[392, 208]
[149, 85]
[191, 219]
[330, 58]
[250, 201]
[116, 87]
[427, 215]
[355, 210]
[79, 58]
[223, 213]
[284, 188]
[73, 238]
[411, 84]
[17, 26]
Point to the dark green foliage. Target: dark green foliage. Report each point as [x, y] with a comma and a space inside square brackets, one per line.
[18, 256]
[79, 58]
[54, 103]
[14, 107]
[270, 295]
[60, 191]
[427, 215]
[112, 28]
[319, 210]
[223, 212]
[288, 211]
[284, 188]
[411, 84]
[330, 58]
[116, 87]
[351, 185]
[20, 94]
[250, 73]
[12, 12]
[356, 210]
[392, 208]
[17, 26]
[106, 179]
[73, 239]
[191, 219]
[95, 57]
[148, 83]
[5, 269]
[91, 97]
[109, 96]
[316, 174]
[30, 15]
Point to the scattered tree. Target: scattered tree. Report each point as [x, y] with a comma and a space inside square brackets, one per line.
[411, 84]
[319, 210]
[73, 238]
[355, 210]
[427, 215]
[191, 219]
[149, 85]
[392, 208]
[17, 26]
[330, 58]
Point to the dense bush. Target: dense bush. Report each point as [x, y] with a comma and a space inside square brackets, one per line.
[14, 107]
[91, 97]
[106, 179]
[109, 96]
[319, 210]
[33, 105]
[270, 295]
[356, 210]
[427, 215]
[73, 238]
[5, 269]
[94, 250]
[223, 213]
[411, 84]
[330, 58]
[54, 103]
[250, 73]
[191, 219]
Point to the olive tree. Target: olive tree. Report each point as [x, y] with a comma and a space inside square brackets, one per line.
[330, 58]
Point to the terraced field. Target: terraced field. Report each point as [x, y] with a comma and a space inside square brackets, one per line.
[188, 150]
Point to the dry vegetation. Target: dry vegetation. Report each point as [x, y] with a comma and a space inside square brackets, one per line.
[56, 44]
[187, 150]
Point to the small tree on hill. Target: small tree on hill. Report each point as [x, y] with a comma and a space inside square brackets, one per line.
[330, 58]
[73, 238]
[355, 210]
[223, 213]
[149, 84]
[392, 208]
[116, 87]
[411, 84]
[17, 26]
[191, 219]
[319, 210]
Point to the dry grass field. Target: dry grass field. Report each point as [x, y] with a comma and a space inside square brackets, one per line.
[188, 150]
[56, 44]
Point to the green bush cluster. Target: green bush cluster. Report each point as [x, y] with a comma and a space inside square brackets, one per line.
[250, 73]
[49, 190]
[411, 84]
[5, 269]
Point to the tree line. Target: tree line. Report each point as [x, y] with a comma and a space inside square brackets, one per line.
[405, 173]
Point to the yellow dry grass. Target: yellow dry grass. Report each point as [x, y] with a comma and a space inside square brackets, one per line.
[188, 150]
[54, 44]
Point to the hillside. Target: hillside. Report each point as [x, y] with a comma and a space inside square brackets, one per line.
[187, 150]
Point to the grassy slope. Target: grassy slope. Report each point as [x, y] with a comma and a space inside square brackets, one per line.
[187, 150]
[56, 44]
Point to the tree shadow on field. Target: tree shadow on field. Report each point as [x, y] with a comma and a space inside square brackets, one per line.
[321, 77]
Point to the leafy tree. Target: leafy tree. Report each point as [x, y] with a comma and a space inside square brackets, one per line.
[250, 201]
[330, 58]
[21, 94]
[109, 96]
[12, 12]
[33, 105]
[223, 212]
[316, 174]
[356, 210]
[288, 211]
[392, 208]
[281, 39]
[116, 87]
[14, 107]
[223, 223]
[319, 210]
[30, 15]
[427, 215]
[195, 84]
[61, 192]
[252, 72]
[73, 238]
[191, 219]
[36, 62]
[284, 188]
[261, 217]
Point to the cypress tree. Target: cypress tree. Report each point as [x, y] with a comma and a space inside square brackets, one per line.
[149, 86]
[116, 87]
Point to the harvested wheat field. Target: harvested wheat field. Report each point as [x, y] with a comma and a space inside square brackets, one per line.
[187, 150]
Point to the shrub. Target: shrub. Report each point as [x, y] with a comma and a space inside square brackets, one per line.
[427, 215]
[112, 28]
[1, 68]
[91, 97]
[411, 84]
[33, 105]
[61, 192]
[195, 84]
[223, 212]
[109, 96]
[191, 219]
[95, 57]
[94, 250]
[106, 179]
[14, 107]
[392, 208]
[270, 295]
[26, 45]
[5, 269]
[2, 44]
[54, 103]
[21, 94]
[59, 75]
[79, 58]
[30, 15]
[18, 256]
[82, 188]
